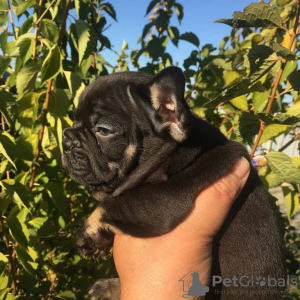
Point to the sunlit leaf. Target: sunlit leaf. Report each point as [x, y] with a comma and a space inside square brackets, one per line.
[26, 78]
[49, 30]
[272, 131]
[5, 147]
[20, 6]
[83, 37]
[291, 201]
[109, 9]
[282, 165]
[255, 15]
[52, 64]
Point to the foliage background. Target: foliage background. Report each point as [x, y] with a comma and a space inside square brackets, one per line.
[248, 87]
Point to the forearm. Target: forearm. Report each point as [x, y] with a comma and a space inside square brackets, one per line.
[156, 274]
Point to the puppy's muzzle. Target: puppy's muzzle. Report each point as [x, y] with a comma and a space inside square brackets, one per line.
[70, 140]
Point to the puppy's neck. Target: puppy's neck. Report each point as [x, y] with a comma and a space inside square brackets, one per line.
[145, 170]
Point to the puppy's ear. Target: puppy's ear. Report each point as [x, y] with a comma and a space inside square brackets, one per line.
[167, 96]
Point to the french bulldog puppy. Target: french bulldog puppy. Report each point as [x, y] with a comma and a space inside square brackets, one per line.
[144, 154]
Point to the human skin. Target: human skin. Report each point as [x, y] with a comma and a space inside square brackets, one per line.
[149, 268]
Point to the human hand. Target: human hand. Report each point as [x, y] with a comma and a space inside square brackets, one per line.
[149, 268]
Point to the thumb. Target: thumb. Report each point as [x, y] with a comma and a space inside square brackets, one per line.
[217, 199]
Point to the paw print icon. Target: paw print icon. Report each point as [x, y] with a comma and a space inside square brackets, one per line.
[261, 281]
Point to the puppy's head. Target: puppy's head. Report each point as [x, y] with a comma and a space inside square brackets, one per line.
[121, 121]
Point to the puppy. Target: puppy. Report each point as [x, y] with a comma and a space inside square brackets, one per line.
[146, 157]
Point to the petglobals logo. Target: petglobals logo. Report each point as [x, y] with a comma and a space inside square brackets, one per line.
[192, 286]
[258, 281]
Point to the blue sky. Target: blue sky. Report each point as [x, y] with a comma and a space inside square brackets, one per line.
[198, 17]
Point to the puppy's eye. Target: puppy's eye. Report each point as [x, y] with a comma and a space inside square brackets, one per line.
[104, 131]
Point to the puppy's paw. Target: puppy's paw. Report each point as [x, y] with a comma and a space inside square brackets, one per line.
[105, 289]
[95, 238]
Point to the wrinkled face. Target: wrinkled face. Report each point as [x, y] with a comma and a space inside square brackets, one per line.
[104, 143]
[121, 121]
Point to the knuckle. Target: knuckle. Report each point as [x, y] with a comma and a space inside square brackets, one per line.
[225, 187]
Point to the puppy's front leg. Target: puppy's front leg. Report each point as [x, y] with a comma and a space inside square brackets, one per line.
[95, 237]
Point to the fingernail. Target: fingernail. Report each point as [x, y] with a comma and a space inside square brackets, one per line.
[241, 168]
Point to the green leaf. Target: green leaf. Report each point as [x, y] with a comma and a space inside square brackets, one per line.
[26, 25]
[49, 30]
[74, 81]
[20, 6]
[3, 17]
[151, 5]
[83, 37]
[147, 29]
[4, 283]
[66, 295]
[269, 177]
[52, 64]
[291, 201]
[191, 38]
[59, 104]
[179, 11]
[3, 40]
[286, 119]
[239, 89]
[38, 222]
[5, 147]
[290, 67]
[4, 64]
[261, 60]
[156, 47]
[259, 101]
[7, 106]
[17, 193]
[59, 133]
[3, 263]
[27, 260]
[18, 230]
[109, 9]
[220, 62]
[77, 7]
[57, 194]
[173, 34]
[28, 108]
[255, 15]
[4, 5]
[55, 9]
[248, 126]
[294, 110]
[283, 166]
[282, 51]
[294, 79]
[272, 131]
[240, 102]
[231, 78]
[26, 78]
[25, 44]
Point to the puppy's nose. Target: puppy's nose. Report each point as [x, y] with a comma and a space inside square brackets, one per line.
[67, 144]
[70, 139]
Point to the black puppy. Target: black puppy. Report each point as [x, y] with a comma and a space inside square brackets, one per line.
[141, 151]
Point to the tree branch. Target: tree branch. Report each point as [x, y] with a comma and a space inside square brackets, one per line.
[11, 257]
[277, 80]
[47, 100]
[11, 19]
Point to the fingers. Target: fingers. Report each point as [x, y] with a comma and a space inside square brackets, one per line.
[214, 203]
